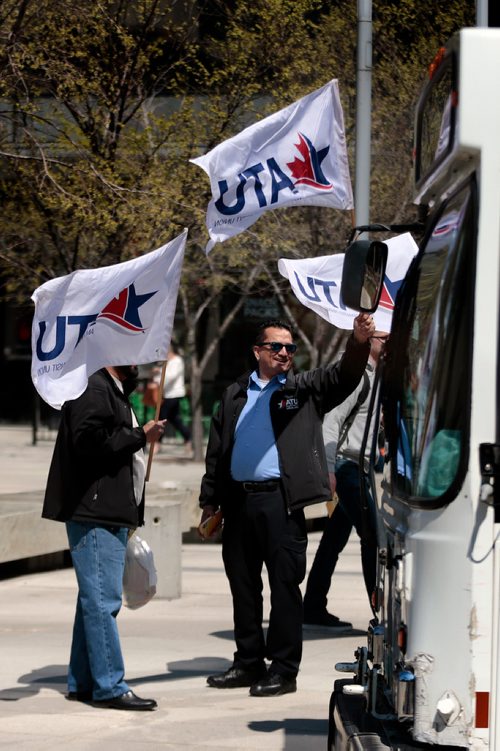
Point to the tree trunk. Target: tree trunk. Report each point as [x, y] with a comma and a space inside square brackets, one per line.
[198, 365]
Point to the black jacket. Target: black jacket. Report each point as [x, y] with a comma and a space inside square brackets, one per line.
[90, 477]
[297, 410]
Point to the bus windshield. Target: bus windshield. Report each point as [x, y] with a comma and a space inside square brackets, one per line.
[435, 128]
[432, 410]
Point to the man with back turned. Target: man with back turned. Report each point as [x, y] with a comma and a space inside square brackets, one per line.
[96, 487]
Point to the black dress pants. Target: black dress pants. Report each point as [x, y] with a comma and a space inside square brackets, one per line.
[259, 530]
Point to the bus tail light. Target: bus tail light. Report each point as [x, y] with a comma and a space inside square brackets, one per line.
[482, 708]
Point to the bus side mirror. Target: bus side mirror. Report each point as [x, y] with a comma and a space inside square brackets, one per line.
[363, 275]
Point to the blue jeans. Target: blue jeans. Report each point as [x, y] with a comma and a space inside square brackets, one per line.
[96, 662]
[346, 515]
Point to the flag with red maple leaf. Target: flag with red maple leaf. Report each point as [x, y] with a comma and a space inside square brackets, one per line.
[294, 157]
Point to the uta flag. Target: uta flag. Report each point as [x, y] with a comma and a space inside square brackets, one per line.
[114, 315]
[294, 157]
[316, 283]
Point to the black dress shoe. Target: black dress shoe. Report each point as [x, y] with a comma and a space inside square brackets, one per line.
[128, 700]
[79, 696]
[274, 685]
[236, 678]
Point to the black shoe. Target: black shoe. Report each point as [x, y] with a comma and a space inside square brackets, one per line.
[325, 619]
[79, 696]
[274, 685]
[236, 678]
[128, 700]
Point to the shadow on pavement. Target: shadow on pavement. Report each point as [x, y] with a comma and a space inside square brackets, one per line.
[322, 632]
[50, 676]
[300, 732]
[55, 676]
[227, 634]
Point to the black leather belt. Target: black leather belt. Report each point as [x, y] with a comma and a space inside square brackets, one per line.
[265, 486]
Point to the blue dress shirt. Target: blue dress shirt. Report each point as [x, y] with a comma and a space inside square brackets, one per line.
[255, 456]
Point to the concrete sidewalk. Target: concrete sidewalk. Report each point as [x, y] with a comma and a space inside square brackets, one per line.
[169, 647]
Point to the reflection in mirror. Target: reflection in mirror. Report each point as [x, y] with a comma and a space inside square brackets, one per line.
[363, 275]
[374, 276]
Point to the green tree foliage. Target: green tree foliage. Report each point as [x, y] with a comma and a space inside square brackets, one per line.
[82, 157]
[102, 104]
[407, 35]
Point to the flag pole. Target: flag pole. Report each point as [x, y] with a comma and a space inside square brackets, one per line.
[157, 416]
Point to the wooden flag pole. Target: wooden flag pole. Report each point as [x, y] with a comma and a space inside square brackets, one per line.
[157, 416]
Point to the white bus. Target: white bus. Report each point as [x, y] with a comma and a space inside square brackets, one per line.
[429, 673]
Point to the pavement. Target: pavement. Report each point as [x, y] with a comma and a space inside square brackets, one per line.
[169, 646]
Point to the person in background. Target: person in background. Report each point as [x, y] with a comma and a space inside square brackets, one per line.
[174, 389]
[96, 487]
[343, 431]
[265, 461]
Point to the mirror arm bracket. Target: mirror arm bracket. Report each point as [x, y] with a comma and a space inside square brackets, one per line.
[398, 229]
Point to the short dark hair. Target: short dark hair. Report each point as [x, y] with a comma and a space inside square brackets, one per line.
[273, 323]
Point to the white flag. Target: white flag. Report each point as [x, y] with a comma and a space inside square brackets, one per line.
[115, 315]
[316, 283]
[295, 157]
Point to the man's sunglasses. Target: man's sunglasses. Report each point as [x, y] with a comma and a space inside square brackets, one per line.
[278, 346]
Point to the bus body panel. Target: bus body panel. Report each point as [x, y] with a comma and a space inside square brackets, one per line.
[440, 559]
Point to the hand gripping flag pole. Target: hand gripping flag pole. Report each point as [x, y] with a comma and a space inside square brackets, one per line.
[157, 416]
